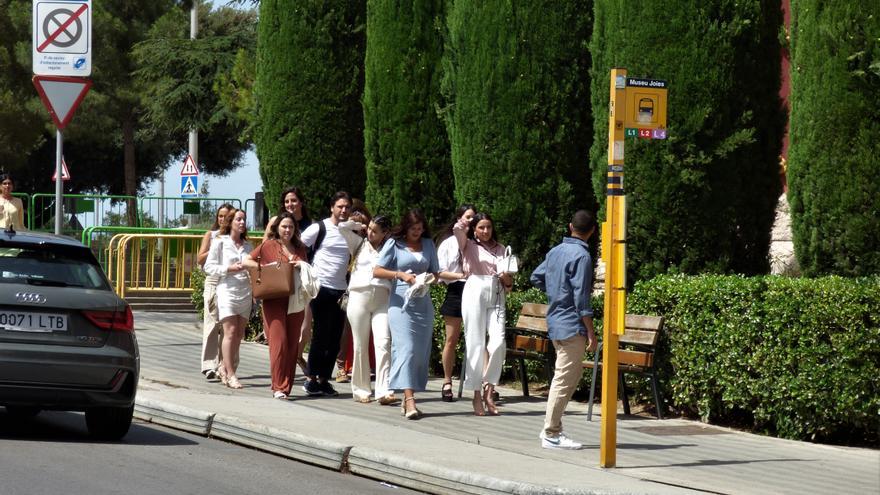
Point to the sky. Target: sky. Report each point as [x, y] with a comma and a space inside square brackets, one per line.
[241, 183]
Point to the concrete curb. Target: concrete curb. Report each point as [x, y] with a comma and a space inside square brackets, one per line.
[360, 461]
[173, 416]
[319, 452]
[431, 478]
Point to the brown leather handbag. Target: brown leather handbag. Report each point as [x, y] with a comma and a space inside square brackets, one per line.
[272, 280]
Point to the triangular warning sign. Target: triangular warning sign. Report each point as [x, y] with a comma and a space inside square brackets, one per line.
[65, 174]
[189, 187]
[189, 167]
[61, 96]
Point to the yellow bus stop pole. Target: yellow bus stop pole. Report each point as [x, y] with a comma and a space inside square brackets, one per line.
[614, 254]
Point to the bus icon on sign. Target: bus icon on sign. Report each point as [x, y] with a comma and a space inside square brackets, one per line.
[646, 111]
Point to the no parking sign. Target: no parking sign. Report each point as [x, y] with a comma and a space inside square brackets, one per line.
[62, 38]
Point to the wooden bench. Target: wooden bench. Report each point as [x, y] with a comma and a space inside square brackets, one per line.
[635, 355]
[527, 339]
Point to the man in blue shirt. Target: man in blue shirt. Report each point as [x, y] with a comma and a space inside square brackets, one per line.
[566, 275]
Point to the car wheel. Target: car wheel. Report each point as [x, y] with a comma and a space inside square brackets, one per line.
[22, 412]
[109, 423]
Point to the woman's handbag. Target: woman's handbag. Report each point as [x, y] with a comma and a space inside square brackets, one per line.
[343, 301]
[271, 281]
[508, 263]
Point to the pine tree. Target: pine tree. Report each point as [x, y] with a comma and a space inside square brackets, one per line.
[407, 151]
[703, 199]
[309, 82]
[833, 164]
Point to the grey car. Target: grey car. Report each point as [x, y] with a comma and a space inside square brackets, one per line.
[66, 339]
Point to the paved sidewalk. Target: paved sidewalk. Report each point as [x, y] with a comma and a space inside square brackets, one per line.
[452, 451]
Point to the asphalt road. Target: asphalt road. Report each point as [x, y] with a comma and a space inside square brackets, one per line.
[53, 454]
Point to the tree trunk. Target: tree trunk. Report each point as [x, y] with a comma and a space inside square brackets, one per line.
[129, 168]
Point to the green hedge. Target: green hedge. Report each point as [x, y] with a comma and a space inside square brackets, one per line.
[309, 129]
[406, 148]
[702, 200]
[796, 358]
[835, 136]
[516, 83]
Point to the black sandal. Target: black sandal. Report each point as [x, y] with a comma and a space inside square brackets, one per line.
[446, 393]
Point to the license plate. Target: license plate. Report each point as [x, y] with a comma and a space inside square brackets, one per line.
[19, 321]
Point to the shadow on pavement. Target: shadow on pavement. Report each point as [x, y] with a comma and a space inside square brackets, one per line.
[70, 427]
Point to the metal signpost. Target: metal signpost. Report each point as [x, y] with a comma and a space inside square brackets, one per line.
[637, 109]
[62, 47]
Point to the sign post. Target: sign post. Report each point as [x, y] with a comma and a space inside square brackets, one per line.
[637, 108]
[62, 46]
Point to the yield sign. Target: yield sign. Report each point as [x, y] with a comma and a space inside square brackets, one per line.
[61, 95]
[189, 167]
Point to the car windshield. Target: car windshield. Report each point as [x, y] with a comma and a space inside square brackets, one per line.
[50, 266]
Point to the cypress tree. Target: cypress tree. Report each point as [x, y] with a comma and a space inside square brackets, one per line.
[407, 151]
[833, 167]
[518, 116]
[703, 199]
[309, 81]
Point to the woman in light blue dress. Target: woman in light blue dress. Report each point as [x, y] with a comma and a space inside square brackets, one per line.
[410, 259]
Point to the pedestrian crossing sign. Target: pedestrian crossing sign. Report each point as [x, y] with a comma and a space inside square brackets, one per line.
[189, 186]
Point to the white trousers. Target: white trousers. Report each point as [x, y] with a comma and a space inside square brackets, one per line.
[212, 332]
[483, 313]
[368, 310]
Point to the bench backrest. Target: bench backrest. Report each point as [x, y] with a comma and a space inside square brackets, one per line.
[641, 333]
[533, 316]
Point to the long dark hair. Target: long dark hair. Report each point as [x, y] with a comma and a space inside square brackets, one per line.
[216, 224]
[447, 230]
[273, 230]
[473, 226]
[7, 176]
[227, 229]
[409, 219]
[295, 190]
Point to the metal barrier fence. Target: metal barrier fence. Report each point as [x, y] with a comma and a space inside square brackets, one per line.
[98, 238]
[152, 261]
[199, 212]
[82, 209]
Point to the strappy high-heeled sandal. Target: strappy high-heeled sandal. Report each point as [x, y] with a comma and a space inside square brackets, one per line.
[446, 392]
[489, 400]
[478, 405]
[232, 382]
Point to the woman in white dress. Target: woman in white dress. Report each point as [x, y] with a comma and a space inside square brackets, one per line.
[234, 296]
[211, 336]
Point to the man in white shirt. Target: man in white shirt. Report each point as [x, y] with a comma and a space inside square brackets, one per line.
[331, 256]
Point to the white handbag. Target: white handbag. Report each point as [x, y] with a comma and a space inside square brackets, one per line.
[508, 263]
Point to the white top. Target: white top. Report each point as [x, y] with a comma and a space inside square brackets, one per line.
[212, 279]
[223, 253]
[331, 260]
[449, 257]
[362, 274]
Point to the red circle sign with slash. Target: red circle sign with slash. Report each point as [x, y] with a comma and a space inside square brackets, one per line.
[63, 27]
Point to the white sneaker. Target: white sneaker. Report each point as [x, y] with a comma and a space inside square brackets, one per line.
[559, 442]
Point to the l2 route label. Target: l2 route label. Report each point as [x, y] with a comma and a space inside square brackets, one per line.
[62, 37]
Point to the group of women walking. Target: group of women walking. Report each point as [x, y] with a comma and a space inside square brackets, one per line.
[387, 304]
